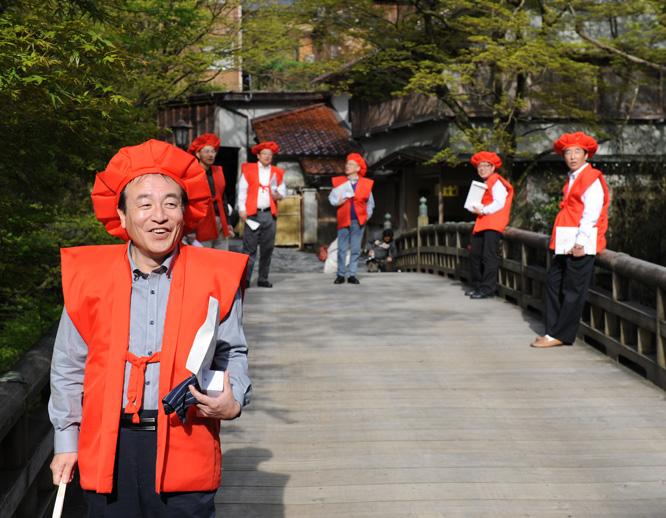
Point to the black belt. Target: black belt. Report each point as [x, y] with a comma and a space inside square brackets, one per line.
[264, 210]
[147, 421]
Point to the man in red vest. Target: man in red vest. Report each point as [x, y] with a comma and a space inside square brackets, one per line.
[355, 206]
[260, 187]
[132, 314]
[492, 217]
[208, 231]
[583, 212]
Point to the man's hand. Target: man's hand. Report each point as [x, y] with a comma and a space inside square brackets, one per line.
[231, 231]
[577, 251]
[342, 202]
[276, 196]
[478, 211]
[243, 215]
[63, 466]
[223, 406]
[389, 259]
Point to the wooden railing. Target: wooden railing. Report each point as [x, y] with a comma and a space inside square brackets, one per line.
[624, 315]
[26, 435]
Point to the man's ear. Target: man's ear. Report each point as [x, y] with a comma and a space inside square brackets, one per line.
[121, 215]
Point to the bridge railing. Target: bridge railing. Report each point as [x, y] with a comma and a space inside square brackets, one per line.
[624, 314]
[26, 435]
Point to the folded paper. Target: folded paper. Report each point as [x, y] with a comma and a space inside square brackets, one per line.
[565, 239]
[475, 195]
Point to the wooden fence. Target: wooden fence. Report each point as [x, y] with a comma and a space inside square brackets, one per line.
[26, 435]
[624, 313]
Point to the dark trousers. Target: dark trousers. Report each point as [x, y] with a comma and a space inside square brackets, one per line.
[134, 493]
[483, 260]
[566, 289]
[264, 236]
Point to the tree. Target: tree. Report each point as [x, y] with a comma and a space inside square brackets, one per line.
[499, 66]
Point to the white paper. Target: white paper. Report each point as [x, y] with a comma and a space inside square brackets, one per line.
[254, 225]
[60, 500]
[212, 383]
[344, 191]
[205, 341]
[274, 184]
[565, 239]
[475, 194]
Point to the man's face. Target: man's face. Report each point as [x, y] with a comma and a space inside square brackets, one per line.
[351, 167]
[206, 156]
[265, 157]
[387, 239]
[154, 217]
[575, 157]
[485, 169]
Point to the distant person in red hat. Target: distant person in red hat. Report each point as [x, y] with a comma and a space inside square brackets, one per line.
[260, 187]
[132, 313]
[583, 211]
[352, 195]
[213, 231]
[492, 216]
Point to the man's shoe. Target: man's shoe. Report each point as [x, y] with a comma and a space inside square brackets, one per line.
[543, 342]
[339, 280]
[480, 295]
[264, 284]
[353, 280]
[471, 292]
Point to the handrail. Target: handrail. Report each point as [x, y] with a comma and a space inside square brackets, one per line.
[26, 435]
[624, 314]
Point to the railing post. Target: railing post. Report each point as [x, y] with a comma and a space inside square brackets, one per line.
[421, 222]
[661, 315]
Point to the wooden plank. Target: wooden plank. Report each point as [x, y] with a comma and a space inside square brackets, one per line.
[401, 397]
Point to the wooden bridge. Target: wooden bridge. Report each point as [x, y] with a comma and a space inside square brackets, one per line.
[401, 397]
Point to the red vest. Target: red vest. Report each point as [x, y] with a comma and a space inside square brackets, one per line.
[207, 227]
[571, 207]
[251, 174]
[97, 285]
[497, 220]
[360, 200]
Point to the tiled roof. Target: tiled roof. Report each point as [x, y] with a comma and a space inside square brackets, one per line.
[332, 166]
[313, 134]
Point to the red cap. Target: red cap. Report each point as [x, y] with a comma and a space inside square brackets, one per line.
[266, 145]
[207, 139]
[152, 157]
[486, 156]
[578, 139]
[359, 160]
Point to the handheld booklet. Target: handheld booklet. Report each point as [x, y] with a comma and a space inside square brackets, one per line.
[344, 191]
[565, 238]
[203, 349]
[254, 225]
[274, 184]
[475, 195]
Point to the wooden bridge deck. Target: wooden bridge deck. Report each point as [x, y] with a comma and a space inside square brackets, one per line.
[403, 398]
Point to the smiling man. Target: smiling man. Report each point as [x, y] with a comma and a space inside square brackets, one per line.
[584, 208]
[131, 316]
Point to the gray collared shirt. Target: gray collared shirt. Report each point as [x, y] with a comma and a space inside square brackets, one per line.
[148, 304]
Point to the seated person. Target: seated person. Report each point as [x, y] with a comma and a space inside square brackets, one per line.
[381, 251]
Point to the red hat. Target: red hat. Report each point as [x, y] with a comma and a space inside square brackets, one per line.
[578, 139]
[266, 145]
[207, 139]
[152, 157]
[486, 156]
[359, 160]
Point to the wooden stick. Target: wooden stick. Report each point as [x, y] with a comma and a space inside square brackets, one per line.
[60, 500]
